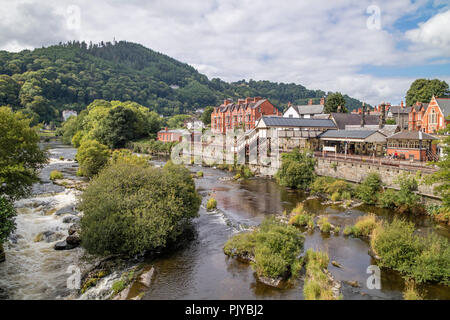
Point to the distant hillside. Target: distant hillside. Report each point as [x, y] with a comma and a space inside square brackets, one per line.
[45, 81]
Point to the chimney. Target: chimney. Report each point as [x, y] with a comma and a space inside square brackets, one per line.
[227, 101]
[310, 102]
[322, 101]
[363, 115]
[401, 104]
[256, 99]
[248, 100]
[167, 129]
[382, 121]
[289, 104]
[339, 108]
[241, 101]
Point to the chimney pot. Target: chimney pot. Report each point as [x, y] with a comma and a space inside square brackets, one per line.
[322, 101]
[310, 102]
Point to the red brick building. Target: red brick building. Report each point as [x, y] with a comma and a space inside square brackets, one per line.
[416, 116]
[167, 135]
[412, 145]
[242, 114]
[435, 116]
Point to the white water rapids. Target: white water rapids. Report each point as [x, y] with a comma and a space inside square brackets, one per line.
[33, 268]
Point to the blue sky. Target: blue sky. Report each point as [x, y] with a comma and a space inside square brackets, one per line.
[370, 50]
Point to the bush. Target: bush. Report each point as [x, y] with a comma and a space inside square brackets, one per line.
[321, 184]
[211, 204]
[425, 259]
[130, 208]
[274, 247]
[335, 196]
[297, 169]
[364, 226]
[55, 175]
[368, 189]
[387, 199]
[200, 174]
[317, 285]
[301, 220]
[92, 157]
[324, 225]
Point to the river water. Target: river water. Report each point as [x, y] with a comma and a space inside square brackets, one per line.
[199, 270]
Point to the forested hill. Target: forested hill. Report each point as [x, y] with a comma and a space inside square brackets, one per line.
[45, 81]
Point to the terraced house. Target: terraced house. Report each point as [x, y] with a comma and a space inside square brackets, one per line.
[242, 114]
[416, 116]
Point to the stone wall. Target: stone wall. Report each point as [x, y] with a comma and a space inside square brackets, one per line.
[356, 172]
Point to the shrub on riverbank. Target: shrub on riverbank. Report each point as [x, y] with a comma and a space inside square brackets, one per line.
[440, 213]
[324, 225]
[297, 169]
[273, 247]
[336, 189]
[92, 156]
[317, 284]
[211, 204]
[423, 258]
[363, 227]
[405, 200]
[132, 208]
[152, 147]
[369, 188]
[55, 174]
[300, 218]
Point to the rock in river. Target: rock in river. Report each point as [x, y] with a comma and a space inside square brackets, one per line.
[63, 245]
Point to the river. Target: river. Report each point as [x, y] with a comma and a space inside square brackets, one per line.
[198, 270]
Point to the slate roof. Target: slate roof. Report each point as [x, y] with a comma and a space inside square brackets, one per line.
[348, 134]
[343, 119]
[412, 135]
[387, 130]
[321, 116]
[444, 104]
[297, 122]
[394, 110]
[309, 109]
[234, 106]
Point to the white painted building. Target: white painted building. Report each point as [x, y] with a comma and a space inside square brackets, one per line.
[66, 114]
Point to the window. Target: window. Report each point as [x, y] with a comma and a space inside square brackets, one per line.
[433, 117]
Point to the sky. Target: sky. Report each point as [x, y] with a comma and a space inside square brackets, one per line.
[370, 50]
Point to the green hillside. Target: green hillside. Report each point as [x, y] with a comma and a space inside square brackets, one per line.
[45, 81]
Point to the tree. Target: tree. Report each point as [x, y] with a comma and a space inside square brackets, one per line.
[9, 92]
[7, 214]
[206, 116]
[92, 157]
[118, 127]
[297, 169]
[131, 208]
[422, 90]
[20, 155]
[177, 121]
[334, 101]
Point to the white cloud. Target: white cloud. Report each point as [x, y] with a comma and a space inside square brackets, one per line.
[319, 44]
[435, 32]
